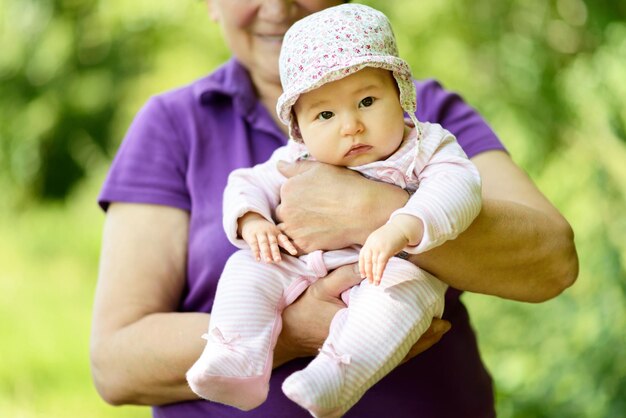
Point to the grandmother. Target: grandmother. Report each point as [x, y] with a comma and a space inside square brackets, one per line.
[164, 248]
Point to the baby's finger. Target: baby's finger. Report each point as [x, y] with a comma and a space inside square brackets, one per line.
[274, 248]
[284, 242]
[375, 280]
[265, 248]
[254, 247]
[380, 268]
[367, 266]
[362, 264]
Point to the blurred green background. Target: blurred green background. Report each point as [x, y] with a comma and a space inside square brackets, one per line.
[550, 76]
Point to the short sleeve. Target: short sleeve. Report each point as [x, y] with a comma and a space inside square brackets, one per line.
[437, 105]
[150, 165]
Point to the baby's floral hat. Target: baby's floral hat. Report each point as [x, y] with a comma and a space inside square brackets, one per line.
[334, 43]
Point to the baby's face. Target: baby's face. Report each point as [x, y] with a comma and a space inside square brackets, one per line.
[352, 121]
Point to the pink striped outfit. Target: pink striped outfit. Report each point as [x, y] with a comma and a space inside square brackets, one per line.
[381, 323]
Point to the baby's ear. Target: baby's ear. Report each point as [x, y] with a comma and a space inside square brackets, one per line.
[295, 128]
[296, 131]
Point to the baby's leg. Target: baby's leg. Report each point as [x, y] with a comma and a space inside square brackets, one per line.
[236, 363]
[381, 324]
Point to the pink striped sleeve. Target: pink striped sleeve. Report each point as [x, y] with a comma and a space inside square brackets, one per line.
[449, 194]
[254, 189]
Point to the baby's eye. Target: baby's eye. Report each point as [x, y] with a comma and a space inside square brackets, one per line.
[325, 115]
[367, 102]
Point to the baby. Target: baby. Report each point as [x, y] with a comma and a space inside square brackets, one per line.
[345, 95]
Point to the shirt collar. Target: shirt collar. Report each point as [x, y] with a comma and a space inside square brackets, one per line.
[232, 81]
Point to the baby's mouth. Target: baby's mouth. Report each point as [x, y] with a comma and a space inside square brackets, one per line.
[358, 149]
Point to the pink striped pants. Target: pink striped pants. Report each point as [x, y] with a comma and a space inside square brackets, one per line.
[366, 341]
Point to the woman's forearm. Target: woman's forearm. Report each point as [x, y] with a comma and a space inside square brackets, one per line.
[519, 247]
[141, 347]
[510, 250]
[144, 363]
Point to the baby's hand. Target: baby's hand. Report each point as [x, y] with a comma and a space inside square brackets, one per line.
[380, 246]
[264, 238]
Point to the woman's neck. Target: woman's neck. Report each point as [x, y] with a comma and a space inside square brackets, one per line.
[268, 92]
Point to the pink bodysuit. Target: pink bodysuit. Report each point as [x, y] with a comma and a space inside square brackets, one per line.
[380, 324]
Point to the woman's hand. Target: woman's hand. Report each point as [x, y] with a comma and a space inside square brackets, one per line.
[319, 217]
[306, 322]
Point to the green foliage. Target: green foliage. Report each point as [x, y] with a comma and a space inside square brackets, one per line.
[547, 75]
[48, 255]
[67, 70]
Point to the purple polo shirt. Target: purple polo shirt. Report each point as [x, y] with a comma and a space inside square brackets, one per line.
[179, 151]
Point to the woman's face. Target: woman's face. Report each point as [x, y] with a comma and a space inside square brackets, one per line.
[254, 29]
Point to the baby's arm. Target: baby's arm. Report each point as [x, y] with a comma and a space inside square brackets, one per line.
[252, 190]
[387, 241]
[264, 238]
[445, 204]
[448, 198]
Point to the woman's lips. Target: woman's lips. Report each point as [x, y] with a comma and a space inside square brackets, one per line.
[358, 149]
[272, 38]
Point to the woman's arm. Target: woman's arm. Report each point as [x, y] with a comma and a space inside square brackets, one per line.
[519, 247]
[318, 216]
[140, 346]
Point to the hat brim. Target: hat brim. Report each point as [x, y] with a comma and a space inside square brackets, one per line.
[397, 66]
